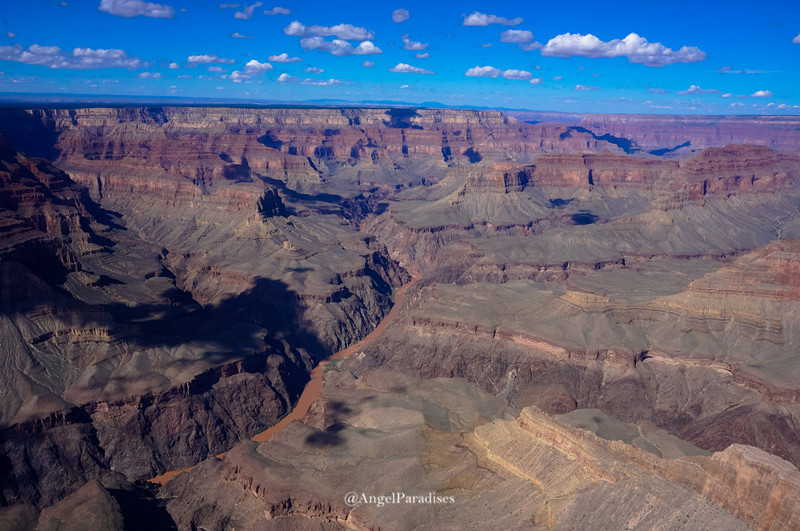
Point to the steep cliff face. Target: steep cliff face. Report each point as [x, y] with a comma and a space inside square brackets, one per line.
[174, 312]
[676, 135]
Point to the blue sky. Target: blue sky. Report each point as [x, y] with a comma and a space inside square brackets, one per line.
[709, 57]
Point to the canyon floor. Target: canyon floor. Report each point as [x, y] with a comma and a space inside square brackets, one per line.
[601, 331]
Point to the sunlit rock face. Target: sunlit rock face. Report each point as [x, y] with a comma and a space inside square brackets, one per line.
[611, 296]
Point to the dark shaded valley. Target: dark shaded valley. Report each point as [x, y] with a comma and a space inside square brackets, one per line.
[602, 332]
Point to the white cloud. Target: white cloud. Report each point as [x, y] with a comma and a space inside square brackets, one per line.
[413, 45]
[313, 70]
[796, 40]
[404, 87]
[367, 48]
[519, 75]
[134, 8]
[346, 32]
[295, 80]
[761, 94]
[490, 71]
[277, 10]
[237, 77]
[254, 67]
[80, 59]
[284, 58]
[247, 12]
[516, 36]
[339, 47]
[209, 59]
[174, 66]
[238, 35]
[536, 80]
[531, 46]
[185, 76]
[558, 78]
[150, 75]
[423, 55]
[216, 69]
[694, 89]
[402, 68]
[727, 95]
[251, 69]
[634, 47]
[368, 64]
[10, 35]
[400, 15]
[482, 19]
[585, 87]
[483, 71]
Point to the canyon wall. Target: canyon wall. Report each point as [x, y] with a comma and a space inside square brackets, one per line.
[170, 275]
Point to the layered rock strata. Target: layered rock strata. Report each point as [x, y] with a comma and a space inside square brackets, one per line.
[494, 468]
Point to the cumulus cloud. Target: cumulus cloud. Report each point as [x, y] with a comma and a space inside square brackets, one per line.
[694, 89]
[174, 66]
[536, 80]
[796, 40]
[490, 71]
[423, 55]
[520, 75]
[368, 64]
[247, 12]
[208, 59]
[727, 95]
[216, 69]
[634, 47]
[558, 78]
[339, 47]
[400, 15]
[413, 45]
[313, 70]
[482, 19]
[346, 32]
[284, 58]
[585, 87]
[254, 67]
[238, 35]
[79, 59]
[10, 35]
[402, 68]
[483, 71]
[150, 75]
[135, 8]
[251, 69]
[237, 77]
[277, 10]
[761, 94]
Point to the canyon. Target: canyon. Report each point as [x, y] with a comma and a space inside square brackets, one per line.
[601, 331]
